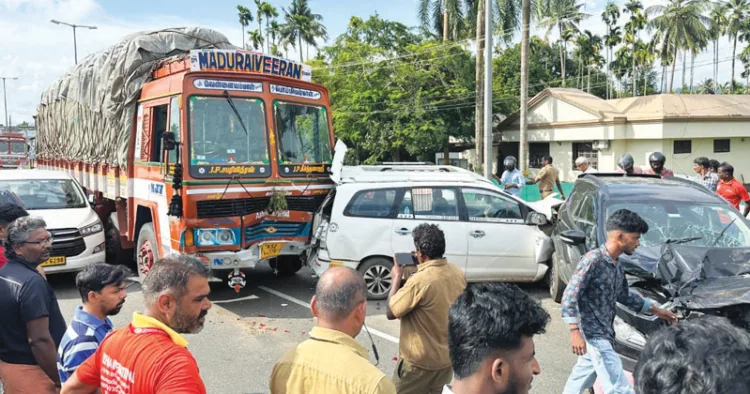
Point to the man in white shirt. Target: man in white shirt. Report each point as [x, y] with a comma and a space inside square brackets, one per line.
[490, 336]
[582, 164]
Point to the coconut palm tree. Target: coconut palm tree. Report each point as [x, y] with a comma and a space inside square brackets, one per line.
[565, 15]
[682, 25]
[646, 57]
[444, 18]
[256, 39]
[718, 29]
[302, 25]
[610, 16]
[737, 12]
[635, 24]
[706, 87]
[265, 10]
[245, 18]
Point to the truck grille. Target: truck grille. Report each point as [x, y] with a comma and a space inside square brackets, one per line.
[305, 204]
[67, 242]
[261, 231]
[231, 207]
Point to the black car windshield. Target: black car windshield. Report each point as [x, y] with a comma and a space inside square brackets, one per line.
[217, 135]
[704, 225]
[46, 193]
[304, 136]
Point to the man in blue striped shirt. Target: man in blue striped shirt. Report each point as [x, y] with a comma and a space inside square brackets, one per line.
[102, 289]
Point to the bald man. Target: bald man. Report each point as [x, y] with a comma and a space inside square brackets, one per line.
[332, 361]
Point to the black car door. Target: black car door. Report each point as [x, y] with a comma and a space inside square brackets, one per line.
[579, 213]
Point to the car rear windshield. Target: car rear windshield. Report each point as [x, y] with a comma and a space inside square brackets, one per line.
[704, 225]
[46, 193]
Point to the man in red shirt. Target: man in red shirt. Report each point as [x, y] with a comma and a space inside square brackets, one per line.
[731, 189]
[149, 355]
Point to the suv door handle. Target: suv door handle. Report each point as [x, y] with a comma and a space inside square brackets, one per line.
[477, 233]
[402, 231]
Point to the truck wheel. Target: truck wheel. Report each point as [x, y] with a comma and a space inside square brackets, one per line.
[148, 250]
[556, 285]
[377, 274]
[286, 265]
[116, 254]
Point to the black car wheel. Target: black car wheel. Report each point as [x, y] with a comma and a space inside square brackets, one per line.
[377, 275]
[556, 285]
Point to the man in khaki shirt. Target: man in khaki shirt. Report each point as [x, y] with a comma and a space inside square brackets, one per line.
[331, 361]
[547, 178]
[422, 305]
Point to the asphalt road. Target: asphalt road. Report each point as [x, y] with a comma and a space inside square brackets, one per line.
[246, 333]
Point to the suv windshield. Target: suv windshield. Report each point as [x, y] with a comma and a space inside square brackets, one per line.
[217, 136]
[303, 133]
[688, 224]
[46, 193]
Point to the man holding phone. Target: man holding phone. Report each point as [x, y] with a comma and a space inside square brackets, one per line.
[424, 365]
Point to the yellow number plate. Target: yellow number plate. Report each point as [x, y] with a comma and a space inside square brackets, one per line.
[270, 249]
[54, 261]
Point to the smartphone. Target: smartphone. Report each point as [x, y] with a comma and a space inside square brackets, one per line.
[406, 259]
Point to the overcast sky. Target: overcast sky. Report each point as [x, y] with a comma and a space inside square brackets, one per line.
[38, 52]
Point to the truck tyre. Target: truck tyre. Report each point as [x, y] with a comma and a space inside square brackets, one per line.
[148, 250]
[116, 254]
[286, 265]
[377, 274]
[556, 285]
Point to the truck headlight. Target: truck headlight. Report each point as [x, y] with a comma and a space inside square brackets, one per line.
[92, 229]
[216, 236]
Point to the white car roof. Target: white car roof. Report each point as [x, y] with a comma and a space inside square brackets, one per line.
[32, 174]
[409, 173]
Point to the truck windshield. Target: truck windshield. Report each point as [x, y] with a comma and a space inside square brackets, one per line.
[17, 147]
[46, 193]
[303, 133]
[217, 136]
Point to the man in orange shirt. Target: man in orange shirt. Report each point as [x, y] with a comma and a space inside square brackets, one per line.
[149, 355]
[731, 189]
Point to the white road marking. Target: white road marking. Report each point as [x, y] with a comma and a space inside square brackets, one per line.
[250, 297]
[306, 305]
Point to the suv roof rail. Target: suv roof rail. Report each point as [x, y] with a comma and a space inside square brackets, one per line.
[405, 163]
[410, 173]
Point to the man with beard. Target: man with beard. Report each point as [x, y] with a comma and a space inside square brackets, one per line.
[149, 355]
[491, 329]
[590, 302]
[32, 323]
[102, 289]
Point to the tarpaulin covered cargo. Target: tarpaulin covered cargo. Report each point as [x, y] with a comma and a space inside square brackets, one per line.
[87, 115]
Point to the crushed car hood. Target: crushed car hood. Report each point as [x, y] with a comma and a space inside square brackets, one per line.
[697, 277]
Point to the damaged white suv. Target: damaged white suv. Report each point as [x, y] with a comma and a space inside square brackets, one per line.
[369, 216]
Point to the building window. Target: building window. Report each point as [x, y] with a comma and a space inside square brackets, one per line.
[586, 149]
[537, 151]
[721, 146]
[683, 146]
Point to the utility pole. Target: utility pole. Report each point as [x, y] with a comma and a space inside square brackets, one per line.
[488, 90]
[5, 99]
[523, 145]
[74, 26]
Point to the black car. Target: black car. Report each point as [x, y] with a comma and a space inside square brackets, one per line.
[694, 260]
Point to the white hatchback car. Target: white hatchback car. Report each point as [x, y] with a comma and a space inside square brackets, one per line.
[369, 216]
[77, 232]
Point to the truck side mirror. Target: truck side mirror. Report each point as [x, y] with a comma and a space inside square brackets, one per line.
[169, 141]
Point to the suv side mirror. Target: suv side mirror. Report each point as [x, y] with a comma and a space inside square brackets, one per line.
[169, 141]
[536, 218]
[573, 237]
[92, 199]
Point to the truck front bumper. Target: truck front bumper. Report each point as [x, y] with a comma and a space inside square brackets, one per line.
[246, 258]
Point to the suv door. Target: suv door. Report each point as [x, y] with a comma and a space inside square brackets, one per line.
[581, 214]
[435, 205]
[501, 246]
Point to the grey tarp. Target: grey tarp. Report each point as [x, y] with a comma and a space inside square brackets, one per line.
[87, 115]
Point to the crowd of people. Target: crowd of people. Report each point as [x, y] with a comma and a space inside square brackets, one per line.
[454, 338]
[717, 177]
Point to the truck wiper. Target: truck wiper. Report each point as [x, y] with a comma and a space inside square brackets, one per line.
[682, 240]
[723, 231]
[231, 104]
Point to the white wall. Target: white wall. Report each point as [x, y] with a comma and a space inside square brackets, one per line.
[551, 109]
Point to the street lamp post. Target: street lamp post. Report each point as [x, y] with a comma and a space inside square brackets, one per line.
[5, 98]
[74, 26]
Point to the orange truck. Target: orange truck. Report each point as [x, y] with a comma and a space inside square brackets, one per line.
[14, 152]
[212, 151]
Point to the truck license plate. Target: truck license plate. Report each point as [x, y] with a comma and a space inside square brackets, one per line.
[270, 249]
[60, 260]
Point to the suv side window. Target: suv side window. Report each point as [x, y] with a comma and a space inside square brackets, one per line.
[485, 206]
[585, 218]
[372, 203]
[429, 203]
